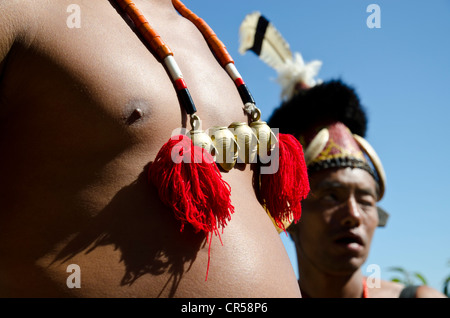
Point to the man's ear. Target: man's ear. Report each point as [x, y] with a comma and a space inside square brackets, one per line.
[382, 217]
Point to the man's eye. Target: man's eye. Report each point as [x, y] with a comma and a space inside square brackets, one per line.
[367, 200]
[330, 197]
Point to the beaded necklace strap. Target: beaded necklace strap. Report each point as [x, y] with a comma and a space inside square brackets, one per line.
[365, 293]
[162, 51]
[287, 172]
[165, 54]
[211, 38]
[219, 50]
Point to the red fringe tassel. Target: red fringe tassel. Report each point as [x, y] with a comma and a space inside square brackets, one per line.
[190, 183]
[282, 190]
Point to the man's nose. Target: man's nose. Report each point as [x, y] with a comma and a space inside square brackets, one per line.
[351, 213]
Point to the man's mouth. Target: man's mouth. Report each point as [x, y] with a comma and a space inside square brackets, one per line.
[350, 241]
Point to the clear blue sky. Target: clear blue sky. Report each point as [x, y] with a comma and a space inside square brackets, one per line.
[401, 72]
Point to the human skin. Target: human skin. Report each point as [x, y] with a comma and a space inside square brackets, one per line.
[83, 111]
[334, 236]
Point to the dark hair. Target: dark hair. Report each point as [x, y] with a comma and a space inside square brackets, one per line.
[329, 101]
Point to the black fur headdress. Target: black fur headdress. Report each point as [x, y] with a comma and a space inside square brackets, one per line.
[325, 102]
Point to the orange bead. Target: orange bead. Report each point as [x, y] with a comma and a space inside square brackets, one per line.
[215, 44]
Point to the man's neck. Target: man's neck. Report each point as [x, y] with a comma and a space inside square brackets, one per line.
[317, 284]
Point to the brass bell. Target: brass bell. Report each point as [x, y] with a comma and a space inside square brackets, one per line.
[247, 141]
[201, 139]
[266, 137]
[225, 145]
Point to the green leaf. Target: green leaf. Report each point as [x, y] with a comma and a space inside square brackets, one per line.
[407, 277]
[446, 286]
[397, 269]
[421, 278]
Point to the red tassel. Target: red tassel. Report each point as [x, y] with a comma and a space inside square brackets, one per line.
[190, 183]
[285, 185]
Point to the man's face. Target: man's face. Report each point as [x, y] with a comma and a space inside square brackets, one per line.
[338, 220]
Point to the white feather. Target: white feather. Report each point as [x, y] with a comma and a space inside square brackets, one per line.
[247, 31]
[276, 53]
[294, 73]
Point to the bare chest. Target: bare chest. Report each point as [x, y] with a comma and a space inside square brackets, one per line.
[101, 75]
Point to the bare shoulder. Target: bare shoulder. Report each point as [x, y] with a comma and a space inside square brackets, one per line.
[8, 27]
[16, 15]
[428, 292]
[386, 289]
[17, 19]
